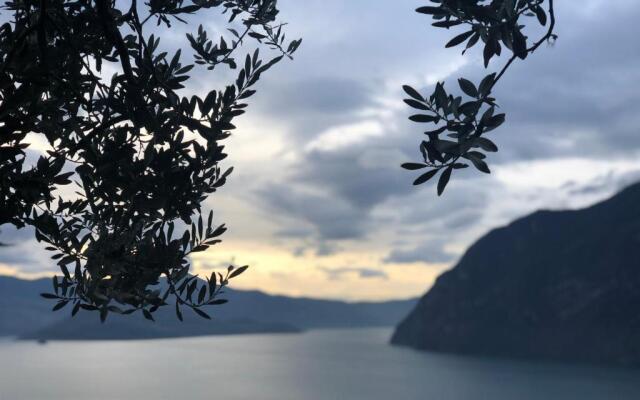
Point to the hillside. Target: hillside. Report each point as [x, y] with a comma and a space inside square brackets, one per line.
[555, 285]
[24, 313]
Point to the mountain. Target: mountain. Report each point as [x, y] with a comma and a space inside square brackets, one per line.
[21, 307]
[555, 285]
[86, 326]
[24, 313]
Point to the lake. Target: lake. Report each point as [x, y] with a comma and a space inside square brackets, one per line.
[322, 364]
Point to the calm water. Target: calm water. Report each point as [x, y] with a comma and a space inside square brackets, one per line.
[330, 364]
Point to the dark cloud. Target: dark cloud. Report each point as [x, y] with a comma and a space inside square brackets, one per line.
[462, 206]
[324, 249]
[314, 95]
[345, 174]
[310, 105]
[347, 189]
[294, 232]
[332, 218]
[321, 248]
[431, 251]
[363, 273]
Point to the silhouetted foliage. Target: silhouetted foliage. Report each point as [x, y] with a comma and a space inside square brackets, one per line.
[465, 120]
[143, 156]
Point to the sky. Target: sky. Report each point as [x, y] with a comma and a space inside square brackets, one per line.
[318, 205]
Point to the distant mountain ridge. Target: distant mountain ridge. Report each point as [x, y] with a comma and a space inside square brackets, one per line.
[555, 285]
[24, 313]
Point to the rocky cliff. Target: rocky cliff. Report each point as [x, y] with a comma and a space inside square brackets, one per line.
[555, 285]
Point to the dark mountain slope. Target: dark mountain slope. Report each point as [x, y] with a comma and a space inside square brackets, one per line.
[21, 307]
[24, 313]
[555, 285]
[87, 326]
[308, 313]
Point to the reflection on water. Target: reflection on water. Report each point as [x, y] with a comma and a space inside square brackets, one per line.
[323, 364]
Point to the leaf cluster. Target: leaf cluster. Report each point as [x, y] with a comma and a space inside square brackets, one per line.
[464, 121]
[495, 24]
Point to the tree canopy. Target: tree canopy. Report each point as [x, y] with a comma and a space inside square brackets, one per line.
[142, 155]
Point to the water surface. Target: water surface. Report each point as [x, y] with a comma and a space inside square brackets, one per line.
[324, 364]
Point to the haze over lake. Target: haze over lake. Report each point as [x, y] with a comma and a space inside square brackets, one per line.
[320, 364]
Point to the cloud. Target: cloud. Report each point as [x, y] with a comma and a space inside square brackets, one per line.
[606, 183]
[22, 253]
[362, 273]
[320, 95]
[345, 136]
[331, 218]
[430, 252]
[334, 192]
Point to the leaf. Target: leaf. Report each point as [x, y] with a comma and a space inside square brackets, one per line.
[486, 84]
[49, 296]
[436, 131]
[103, 314]
[440, 95]
[75, 310]
[238, 271]
[202, 293]
[495, 121]
[480, 165]
[519, 44]
[486, 144]
[459, 39]
[115, 309]
[201, 313]
[490, 49]
[468, 87]
[444, 180]
[212, 284]
[541, 15]
[62, 264]
[416, 104]
[460, 166]
[412, 92]
[472, 42]
[258, 36]
[147, 315]
[60, 305]
[475, 154]
[200, 248]
[425, 177]
[424, 118]
[413, 166]
[429, 10]
[446, 24]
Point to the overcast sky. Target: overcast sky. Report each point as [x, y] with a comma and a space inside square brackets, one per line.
[318, 204]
